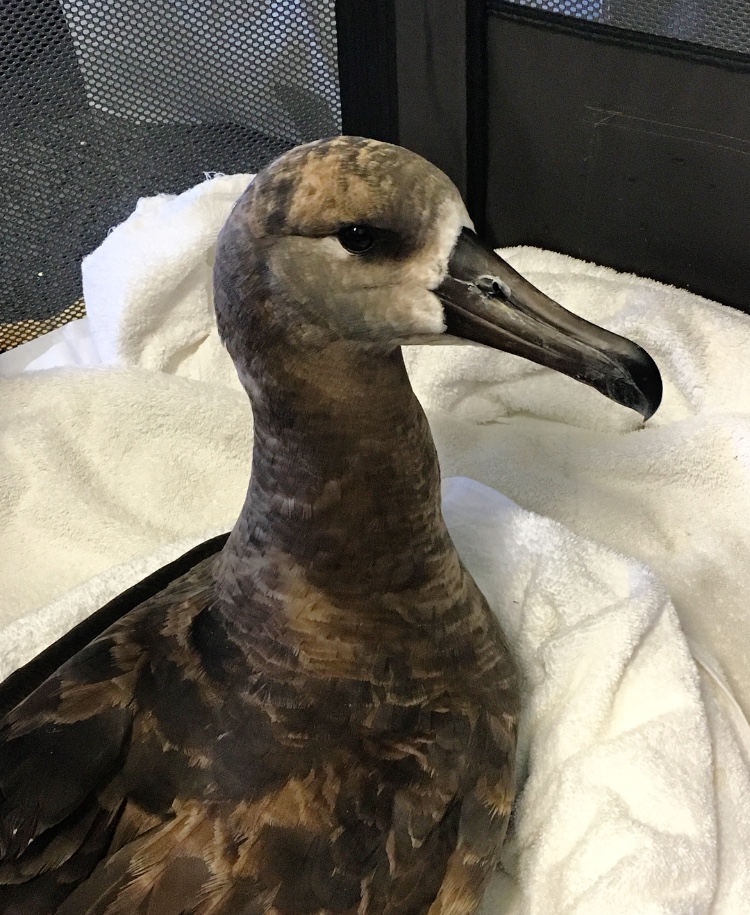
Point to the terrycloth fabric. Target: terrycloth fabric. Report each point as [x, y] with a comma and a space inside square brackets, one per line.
[158, 312]
[618, 811]
[638, 797]
[101, 466]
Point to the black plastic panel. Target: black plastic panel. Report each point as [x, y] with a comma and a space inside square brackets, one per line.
[615, 149]
[432, 95]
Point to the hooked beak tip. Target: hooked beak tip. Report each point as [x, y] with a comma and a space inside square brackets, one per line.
[488, 302]
[644, 393]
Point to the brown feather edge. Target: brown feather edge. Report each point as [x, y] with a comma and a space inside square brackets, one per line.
[23, 681]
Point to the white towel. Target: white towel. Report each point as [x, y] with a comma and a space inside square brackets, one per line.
[637, 798]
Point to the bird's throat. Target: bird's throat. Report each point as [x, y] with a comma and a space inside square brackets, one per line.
[345, 483]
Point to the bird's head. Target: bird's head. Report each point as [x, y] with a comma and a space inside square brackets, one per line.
[357, 240]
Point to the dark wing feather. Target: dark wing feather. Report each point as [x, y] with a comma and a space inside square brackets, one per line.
[161, 871]
[54, 823]
[79, 755]
[62, 753]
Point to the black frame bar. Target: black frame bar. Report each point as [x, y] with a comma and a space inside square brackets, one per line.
[368, 81]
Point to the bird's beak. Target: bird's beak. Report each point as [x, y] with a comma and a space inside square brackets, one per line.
[487, 302]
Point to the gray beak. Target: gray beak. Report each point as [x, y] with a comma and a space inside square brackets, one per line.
[487, 302]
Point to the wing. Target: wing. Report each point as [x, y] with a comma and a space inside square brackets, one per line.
[56, 750]
[61, 753]
[376, 826]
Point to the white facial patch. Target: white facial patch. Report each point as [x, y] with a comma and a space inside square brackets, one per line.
[376, 300]
[333, 249]
[414, 312]
[417, 311]
[430, 266]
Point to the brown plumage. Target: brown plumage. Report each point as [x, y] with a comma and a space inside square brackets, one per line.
[322, 719]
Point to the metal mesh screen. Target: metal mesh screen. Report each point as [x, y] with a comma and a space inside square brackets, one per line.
[721, 24]
[105, 101]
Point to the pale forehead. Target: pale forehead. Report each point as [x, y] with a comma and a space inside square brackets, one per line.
[325, 184]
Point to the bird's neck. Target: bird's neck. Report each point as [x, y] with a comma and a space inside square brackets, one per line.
[345, 485]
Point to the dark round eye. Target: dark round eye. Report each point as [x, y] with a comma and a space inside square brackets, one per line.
[356, 239]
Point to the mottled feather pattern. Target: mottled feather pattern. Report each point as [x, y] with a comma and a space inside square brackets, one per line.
[172, 763]
[322, 718]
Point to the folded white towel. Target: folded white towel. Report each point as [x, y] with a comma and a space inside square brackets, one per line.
[629, 806]
[618, 813]
[148, 286]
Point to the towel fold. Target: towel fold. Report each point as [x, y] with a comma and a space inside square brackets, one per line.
[636, 796]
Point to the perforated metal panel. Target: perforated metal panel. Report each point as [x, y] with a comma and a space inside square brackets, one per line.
[721, 24]
[581, 9]
[105, 101]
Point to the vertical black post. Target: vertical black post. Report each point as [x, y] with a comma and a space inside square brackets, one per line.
[415, 72]
[431, 82]
[366, 35]
[477, 112]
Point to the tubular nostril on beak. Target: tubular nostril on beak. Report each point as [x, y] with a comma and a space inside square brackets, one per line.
[493, 287]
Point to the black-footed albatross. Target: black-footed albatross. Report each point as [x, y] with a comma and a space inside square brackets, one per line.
[322, 718]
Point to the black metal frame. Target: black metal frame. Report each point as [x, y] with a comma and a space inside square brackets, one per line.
[404, 78]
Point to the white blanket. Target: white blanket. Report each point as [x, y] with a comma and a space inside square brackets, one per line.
[638, 795]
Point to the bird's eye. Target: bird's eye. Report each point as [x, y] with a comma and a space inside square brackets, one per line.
[356, 239]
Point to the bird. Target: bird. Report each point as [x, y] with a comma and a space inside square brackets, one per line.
[322, 717]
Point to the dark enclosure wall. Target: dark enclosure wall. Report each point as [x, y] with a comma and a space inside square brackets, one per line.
[620, 148]
[617, 131]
